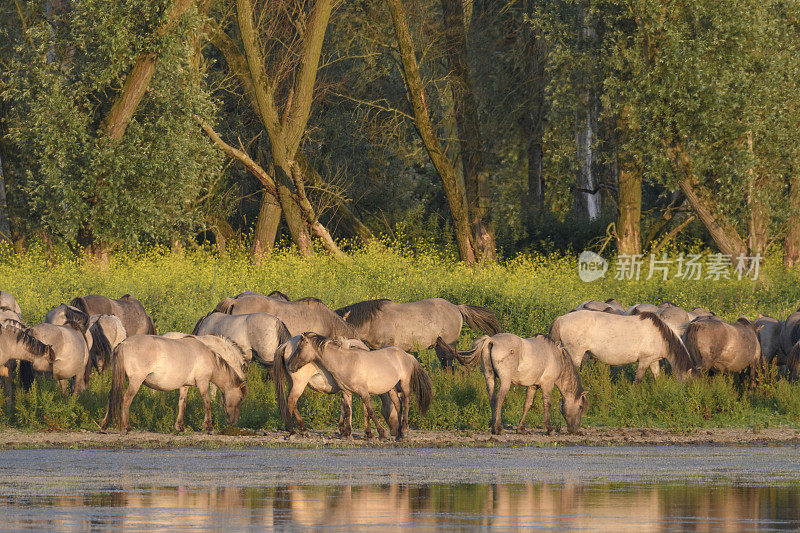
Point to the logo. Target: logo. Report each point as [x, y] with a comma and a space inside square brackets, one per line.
[591, 266]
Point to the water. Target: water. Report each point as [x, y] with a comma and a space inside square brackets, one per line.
[501, 489]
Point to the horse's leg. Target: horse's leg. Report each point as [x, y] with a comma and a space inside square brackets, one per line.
[655, 368]
[529, 395]
[546, 408]
[390, 409]
[291, 402]
[127, 400]
[64, 386]
[179, 425]
[347, 414]
[497, 411]
[640, 371]
[367, 429]
[208, 422]
[366, 400]
[402, 431]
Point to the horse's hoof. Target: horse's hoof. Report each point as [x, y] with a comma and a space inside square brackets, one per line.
[548, 431]
[523, 431]
[497, 431]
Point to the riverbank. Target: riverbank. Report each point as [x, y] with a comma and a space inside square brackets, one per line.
[600, 436]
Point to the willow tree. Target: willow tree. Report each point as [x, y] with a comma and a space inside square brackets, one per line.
[275, 61]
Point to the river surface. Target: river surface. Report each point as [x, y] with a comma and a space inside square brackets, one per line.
[638, 489]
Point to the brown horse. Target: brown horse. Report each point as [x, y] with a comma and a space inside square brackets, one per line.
[718, 345]
[128, 309]
[413, 325]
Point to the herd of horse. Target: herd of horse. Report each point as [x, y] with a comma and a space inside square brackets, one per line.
[363, 349]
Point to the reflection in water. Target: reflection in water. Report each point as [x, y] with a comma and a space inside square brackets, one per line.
[500, 489]
[502, 507]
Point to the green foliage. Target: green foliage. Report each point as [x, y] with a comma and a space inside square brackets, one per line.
[526, 293]
[62, 77]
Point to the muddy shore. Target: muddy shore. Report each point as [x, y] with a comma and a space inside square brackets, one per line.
[593, 436]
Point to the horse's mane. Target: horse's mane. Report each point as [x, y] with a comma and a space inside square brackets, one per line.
[676, 348]
[126, 297]
[78, 303]
[308, 299]
[197, 325]
[225, 365]
[278, 295]
[76, 318]
[31, 343]
[612, 301]
[569, 380]
[317, 341]
[361, 312]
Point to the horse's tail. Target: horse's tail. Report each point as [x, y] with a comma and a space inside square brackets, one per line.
[26, 375]
[101, 348]
[480, 318]
[279, 376]
[470, 357]
[151, 326]
[225, 306]
[283, 332]
[793, 361]
[444, 353]
[421, 386]
[117, 386]
[690, 342]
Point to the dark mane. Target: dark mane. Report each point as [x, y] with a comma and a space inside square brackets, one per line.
[125, 297]
[744, 321]
[78, 303]
[361, 312]
[675, 347]
[316, 340]
[569, 380]
[31, 343]
[223, 365]
[310, 299]
[278, 295]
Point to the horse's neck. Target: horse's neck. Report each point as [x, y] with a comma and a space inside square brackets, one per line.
[567, 381]
[221, 377]
[331, 359]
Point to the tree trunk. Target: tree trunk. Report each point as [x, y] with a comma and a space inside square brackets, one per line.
[758, 228]
[791, 243]
[269, 217]
[138, 79]
[5, 225]
[630, 210]
[445, 169]
[534, 122]
[476, 179]
[587, 194]
[724, 235]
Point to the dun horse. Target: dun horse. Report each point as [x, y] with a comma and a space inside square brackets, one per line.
[71, 354]
[618, 340]
[718, 345]
[168, 364]
[128, 309]
[532, 363]
[320, 380]
[259, 334]
[364, 372]
[299, 316]
[417, 324]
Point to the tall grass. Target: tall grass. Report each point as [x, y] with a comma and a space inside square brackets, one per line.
[526, 292]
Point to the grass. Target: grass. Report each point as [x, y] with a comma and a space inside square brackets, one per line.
[526, 292]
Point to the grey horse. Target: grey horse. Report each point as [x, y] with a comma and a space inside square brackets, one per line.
[534, 363]
[619, 340]
[413, 325]
[299, 316]
[319, 379]
[7, 301]
[167, 364]
[127, 308]
[769, 337]
[718, 345]
[71, 354]
[364, 373]
[259, 334]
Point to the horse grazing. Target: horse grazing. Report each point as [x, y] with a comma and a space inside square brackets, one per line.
[718, 345]
[259, 334]
[71, 354]
[299, 316]
[534, 362]
[769, 337]
[167, 364]
[408, 325]
[618, 340]
[363, 372]
[128, 309]
[319, 379]
[677, 318]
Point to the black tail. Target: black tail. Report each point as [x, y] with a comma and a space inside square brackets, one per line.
[480, 319]
[101, 347]
[26, 375]
[114, 411]
[283, 333]
[422, 387]
[279, 376]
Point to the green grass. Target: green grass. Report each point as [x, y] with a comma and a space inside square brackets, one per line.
[526, 292]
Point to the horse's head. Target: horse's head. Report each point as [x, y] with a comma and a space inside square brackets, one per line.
[232, 399]
[308, 349]
[573, 408]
